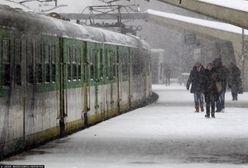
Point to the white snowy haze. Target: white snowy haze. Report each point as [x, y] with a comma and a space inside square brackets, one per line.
[72, 6]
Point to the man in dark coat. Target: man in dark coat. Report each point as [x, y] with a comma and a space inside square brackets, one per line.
[221, 83]
[210, 90]
[234, 80]
[196, 80]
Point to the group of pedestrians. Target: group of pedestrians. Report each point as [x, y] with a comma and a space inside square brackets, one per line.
[211, 82]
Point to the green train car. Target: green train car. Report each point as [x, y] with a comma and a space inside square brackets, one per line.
[58, 77]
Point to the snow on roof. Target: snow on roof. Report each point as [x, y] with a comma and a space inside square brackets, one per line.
[241, 5]
[206, 23]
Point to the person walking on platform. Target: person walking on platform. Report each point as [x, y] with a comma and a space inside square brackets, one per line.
[221, 83]
[196, 80]
[235, 82]
[167, 73]
[210, 91]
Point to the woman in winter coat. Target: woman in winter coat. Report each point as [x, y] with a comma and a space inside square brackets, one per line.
[210, 91]
[196, 80]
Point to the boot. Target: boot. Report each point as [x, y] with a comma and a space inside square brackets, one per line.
[202, 108]
[212, 114]
[207, 111]
[196, 108]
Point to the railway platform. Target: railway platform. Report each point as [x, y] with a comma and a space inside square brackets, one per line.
[167, 133]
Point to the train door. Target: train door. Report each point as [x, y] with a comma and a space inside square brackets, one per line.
[62, 86]
[93, 57]
[86, 82]
[71, 82]
[106, 72]
[113, 78]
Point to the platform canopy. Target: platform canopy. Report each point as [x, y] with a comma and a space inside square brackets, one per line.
[230, 11]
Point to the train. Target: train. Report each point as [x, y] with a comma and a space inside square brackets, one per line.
[58, 77]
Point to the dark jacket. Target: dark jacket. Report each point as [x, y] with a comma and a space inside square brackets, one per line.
[196, 80]
[221, 73]
[210, 83]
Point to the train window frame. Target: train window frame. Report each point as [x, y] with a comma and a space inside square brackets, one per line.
[46, 64]
[38, 63]
[79, 63]
[17, 62]
[101, 64]
[74, 64]
[97, 64]
[69, 69]
[30, 61]
[53, 54]
[114, 64]
[92, 62]
[111, 64]
[107, 61]
[6, 44]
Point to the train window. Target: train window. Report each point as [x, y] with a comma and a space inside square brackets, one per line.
[101, 64]
[6, 63]
[115, 66]
[46, 54]
[72, 55]
[6, 51]
[30, 52]
[74, 71]
[17, 54]
[106, 62]
[69, 72]
[77, 54]
[18, 74]
[69, 58]
[74, 63]
[47, 63]
[111, 64]
[79, 63]
[38, 63]
[53, 73]
[92, 62]
[47, 67]
[79, 72]
[53, 58]
[97, 64]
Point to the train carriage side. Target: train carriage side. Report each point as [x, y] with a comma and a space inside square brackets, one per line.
[27, 66]
[122, 66]
[146, 52]
[141, 85]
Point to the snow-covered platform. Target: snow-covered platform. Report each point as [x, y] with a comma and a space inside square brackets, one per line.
[166, 134]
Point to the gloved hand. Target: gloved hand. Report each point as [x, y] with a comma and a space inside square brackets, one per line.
[187, 87]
